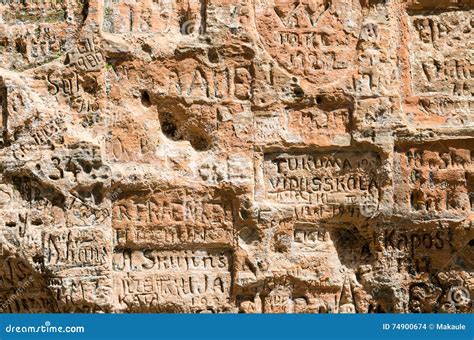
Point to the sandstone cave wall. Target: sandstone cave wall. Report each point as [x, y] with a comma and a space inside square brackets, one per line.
[269, 156]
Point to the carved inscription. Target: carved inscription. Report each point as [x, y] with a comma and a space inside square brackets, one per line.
[321, 178]
[441, 61]
[34, 33]
[22, 290]
[310, 39]
[32, 11]
[172, 219]
[150, 260]
[191, 280]
[258, 156]
[82, 294]
[420, 250]
[312, 239]
[75, 248]
[306, 126]
[185, 17]
[86, 56]
[443, 111]
[151, 269]
[182, 292]
[433, 178]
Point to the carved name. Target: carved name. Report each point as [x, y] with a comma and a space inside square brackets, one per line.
[322, 178]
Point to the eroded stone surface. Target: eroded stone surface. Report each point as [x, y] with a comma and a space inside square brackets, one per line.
[306, 156]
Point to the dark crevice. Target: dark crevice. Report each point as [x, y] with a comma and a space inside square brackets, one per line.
[145, 98]
[168, 126]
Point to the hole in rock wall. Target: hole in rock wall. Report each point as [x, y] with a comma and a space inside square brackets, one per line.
[168, 126]
[145, 98]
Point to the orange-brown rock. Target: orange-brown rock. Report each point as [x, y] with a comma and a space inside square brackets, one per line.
[258, 156]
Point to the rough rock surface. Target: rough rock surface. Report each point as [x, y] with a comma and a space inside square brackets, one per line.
[272, 156]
